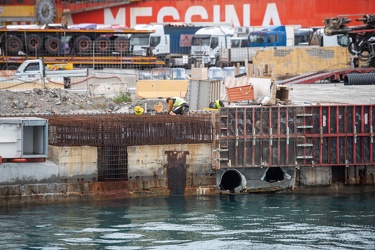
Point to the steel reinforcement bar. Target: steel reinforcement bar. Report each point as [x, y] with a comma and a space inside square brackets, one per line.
[129, 129]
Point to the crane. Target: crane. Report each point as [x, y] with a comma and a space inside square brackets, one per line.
[361, 38]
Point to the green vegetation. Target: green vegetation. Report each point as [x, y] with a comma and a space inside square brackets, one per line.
[122, 97]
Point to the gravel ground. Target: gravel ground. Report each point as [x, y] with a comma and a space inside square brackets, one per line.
[64, 101]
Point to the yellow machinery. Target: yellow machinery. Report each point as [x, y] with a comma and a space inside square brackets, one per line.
[60, 66]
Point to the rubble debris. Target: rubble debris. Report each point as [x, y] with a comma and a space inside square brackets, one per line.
[50, 101]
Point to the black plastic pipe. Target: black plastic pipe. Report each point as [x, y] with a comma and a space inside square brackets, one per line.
[359, 79]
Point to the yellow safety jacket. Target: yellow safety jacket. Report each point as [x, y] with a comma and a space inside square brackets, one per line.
[218, 104]
[178, 101]
[175, 102]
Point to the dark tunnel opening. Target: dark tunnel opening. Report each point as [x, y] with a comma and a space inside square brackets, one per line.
[274, 174]
[230, 180]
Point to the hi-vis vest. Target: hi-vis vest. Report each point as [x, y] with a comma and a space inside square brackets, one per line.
[218, 104]
[178, 101]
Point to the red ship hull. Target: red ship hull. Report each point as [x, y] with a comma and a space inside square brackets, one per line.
[307, 13]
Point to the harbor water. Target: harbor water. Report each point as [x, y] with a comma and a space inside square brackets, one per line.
[255, 221]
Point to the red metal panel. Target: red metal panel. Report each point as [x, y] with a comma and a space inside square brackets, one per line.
[327, 135]
[260, 137]
[345, 135]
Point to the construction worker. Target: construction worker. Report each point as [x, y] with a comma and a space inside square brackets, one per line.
[216, 105]
[177, 106]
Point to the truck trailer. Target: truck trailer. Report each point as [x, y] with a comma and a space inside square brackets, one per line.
[83, 45]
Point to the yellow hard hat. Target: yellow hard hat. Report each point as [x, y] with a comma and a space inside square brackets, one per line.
[138, 110]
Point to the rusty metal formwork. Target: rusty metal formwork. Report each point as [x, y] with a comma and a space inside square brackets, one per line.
[128, 129]
[112, 133]
[282, 136]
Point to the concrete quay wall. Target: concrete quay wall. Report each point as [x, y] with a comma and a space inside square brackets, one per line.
[71, 174]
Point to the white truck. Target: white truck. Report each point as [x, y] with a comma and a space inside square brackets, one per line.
[170, 43]
[244, 45]
[34, 73]
[245, 48]
[207, 43]
[238, 51]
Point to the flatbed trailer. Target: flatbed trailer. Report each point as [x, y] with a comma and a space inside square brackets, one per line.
[97, 62]
[329, 76]
[83, 46]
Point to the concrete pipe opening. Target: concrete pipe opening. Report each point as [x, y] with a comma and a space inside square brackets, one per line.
[274, 174]
[233, 181]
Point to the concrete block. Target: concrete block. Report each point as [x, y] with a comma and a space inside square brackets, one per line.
[28, 172]
[107, 89]
[149, 160]
[303, 60]
[75, 162]
[316, 176]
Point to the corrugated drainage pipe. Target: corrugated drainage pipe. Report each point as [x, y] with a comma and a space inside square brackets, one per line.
[233, 181]
[359, 79]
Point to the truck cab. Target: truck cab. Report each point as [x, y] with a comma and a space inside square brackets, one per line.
[268, 37]
[31, 70]
[152, 44]
[35, 71]
[206, 44]
[239, 42]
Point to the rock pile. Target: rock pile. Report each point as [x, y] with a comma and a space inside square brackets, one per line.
[56, 101]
